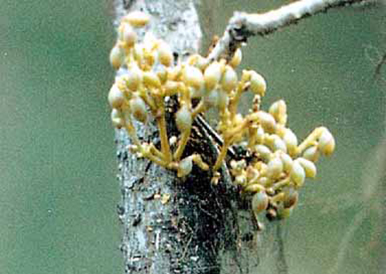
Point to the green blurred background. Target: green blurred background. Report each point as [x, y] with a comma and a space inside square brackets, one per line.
[58, 191]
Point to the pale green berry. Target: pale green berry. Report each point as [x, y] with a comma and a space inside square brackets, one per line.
[258, 84]
[263, 152]
[184, 119]
[116, 97]
[278, 144]
[297, 174]
[212, 75]
[133, 78]
[185, 167]
[116, 57]
[259, 202]
[311, 153]
[291, 197]
[138, 109]
[229, 79]
[287, 162]
[279, 111]
[309, 167]
[274, 168]
[193, 77]
[326, 143]
[267, 121]
[291, 141]
[117, 118]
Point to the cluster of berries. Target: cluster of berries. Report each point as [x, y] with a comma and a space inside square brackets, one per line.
[278, 166]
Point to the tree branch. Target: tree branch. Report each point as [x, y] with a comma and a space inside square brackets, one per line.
[243, 25]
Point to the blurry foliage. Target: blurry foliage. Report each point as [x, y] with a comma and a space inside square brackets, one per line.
[58, 191]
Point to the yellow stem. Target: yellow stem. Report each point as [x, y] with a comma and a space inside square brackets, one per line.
[156, 152]
[278, 197]
[281, 183]
[182, 144]
[128, 124]
[161, 123]
[221, 156]
[198, 161]
[198, 109]
[235, 99]
[148, 100]
[254, 188]
[310, 139]
[231, 132]
[155, 159]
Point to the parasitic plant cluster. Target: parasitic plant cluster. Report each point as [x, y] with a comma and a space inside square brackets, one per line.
[275, 165]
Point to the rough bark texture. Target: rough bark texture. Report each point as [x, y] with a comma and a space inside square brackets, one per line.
[189, 225]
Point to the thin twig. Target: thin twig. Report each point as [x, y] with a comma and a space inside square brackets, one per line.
[243, 25]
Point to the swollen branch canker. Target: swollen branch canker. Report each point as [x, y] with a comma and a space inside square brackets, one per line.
[271, 178]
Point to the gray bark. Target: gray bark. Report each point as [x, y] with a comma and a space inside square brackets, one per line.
[189, 225]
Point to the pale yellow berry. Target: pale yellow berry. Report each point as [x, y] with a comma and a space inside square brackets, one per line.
[291, 197]
[259, 137]
[137, 19]
[291, 142]
[287, 162]
[185, 167]
[263, 152]
[277, 143]
[138, 109]
[133, 78]
[267, 121]
[171, 88]
[116, 57]
[127, 35]
[184, 119]
[297, 174]
[117, 118]
[165, 54]
[326, 143]
[116, 97]
[193, 77]
[236, 59]
[150, 79]
[309, 167]
[279, 111]
[229, 79]
[258, 84]
[259, 202]
[311, 153]
[212, 75]
[274, 168]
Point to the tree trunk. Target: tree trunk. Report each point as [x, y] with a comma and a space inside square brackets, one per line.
[189, 225]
